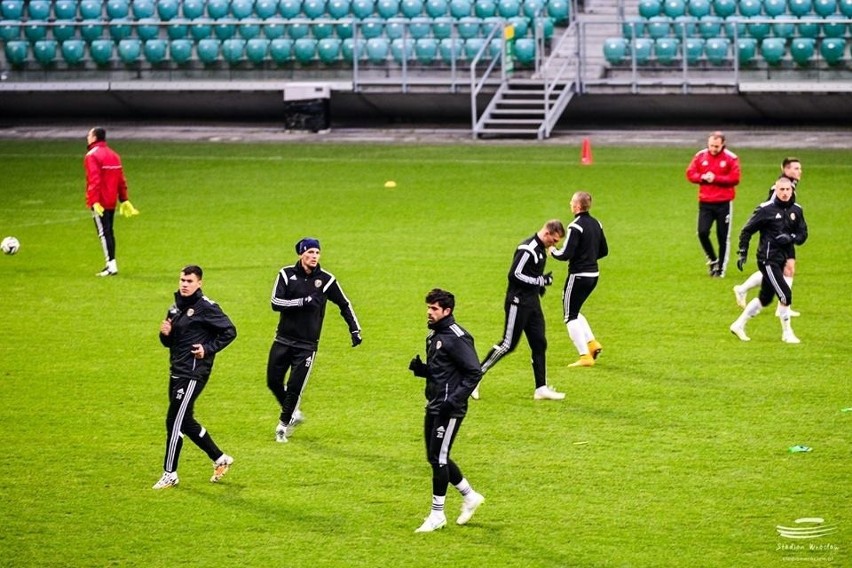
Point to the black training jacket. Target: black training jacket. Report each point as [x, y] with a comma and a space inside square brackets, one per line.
[585, 243]
[773, 218]
[525, 274]
[453, 369]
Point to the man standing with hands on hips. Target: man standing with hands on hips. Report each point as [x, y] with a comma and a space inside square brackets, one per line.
[716, 170]
[106, 187]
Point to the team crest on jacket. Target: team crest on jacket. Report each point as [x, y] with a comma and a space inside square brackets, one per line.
[317, 283]
[792, 216]
[723, 164]
[438, 345]
[190, 312]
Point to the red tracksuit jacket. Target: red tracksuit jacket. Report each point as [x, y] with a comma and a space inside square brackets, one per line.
[725, 166]
[105, 183]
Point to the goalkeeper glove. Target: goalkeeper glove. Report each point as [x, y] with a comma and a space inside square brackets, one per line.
[547, 279]
[98, 209]
[741, 260]
[418, 367]
[127, 209]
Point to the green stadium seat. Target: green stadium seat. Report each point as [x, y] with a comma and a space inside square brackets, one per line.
[633, 27]
[201, 28]
[274, 30]
[832, 28]
[313, 9]
[659, 26]
[758, 29]
[281, 50]
[784, 29]
[192, 9]
[343, 31]
[148, 28]
[65, 9]
[12, 10]
[117, 9]
[525, 51]
[699, 8]
[464, 8]
[772, 50]
[248, 31]
[746, 50]
[372, 27]
[521, 26]
[750, 8]
[180, 51]
[141, 9]
[63, 30]
[825, 8]
[419, 28]
[774, 8]
[808, 28]
[615, 50]
[845, 7]
[267, 8]
[451, 49]
[154, 50]
[92, 30]
[710, 26]
[411, 8]
[44, 52]
[233, 50]
[559, 10]
[529, 8]
[168, 10]
[674, 8]
[73, 51]
[716, 49]
[650, 8]
[10, 30]
[394, 30]
[508, 8]
[800, 8]
[666, 50]
[257, 50]
[328, 50]
[289, 9]
[425, 50]
[802, 50]
[468, 27]
[38, 10]
[338, 9]
[488, 8]
[119, 29]
[242, 9]
[735, 28]
[832, 50]
[640, 50]
[217, 9]
[724, 8]
[305, 50]
[16, 52]
[472, 46]
[298, 30]
[208, 50]
[351, 49]
[694, 49]
[402, 50]
[129, 50]
[322, 30]
[363, 8]
[101, 50]
[35, 30]
[685, 26]
[377, 50]
[435, 8]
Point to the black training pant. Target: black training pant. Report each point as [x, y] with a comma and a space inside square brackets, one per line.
[773, 284]
[180, 421]
[298, 361]
[720, 214]
[522, 319]
[439, 432]
[104, 226]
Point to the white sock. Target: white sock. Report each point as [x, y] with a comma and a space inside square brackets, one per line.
[464, 487]
[752, 281]
[752, 309]
[438, 505]
[587, 331]
[789, 281]
[112, 265]
[578, 336]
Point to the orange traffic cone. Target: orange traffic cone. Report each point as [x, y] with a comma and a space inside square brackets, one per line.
[586, 153]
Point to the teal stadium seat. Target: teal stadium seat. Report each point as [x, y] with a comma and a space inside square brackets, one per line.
[394, 30]
[640, 50]
[208, 50]
[411, 8]
[558, 10]
[442, 28]
[426, 50]
[746, 50]
[117, 9]
[490, 24]
[298, 30]
[154, 50]
[666, 50]
[180, 51]
[377, 50]
[344, 30]
[525, 51]
[92, 30]
[774, 8]
[674, 8]
[148, 28]
[63, 30]
[488, 8]
[129, 50]
[633, 27]
[468, 27]
[281, 50]
[119, 29]
[313, 9]
[724, 8]
[12, 9]
[808, 28]
[419, 28]
[268, 8]
[545, 24]
[387, 8]
[100, 51]
[65, 9]
[168, 10]
[201, 28]
[372, 28]
[685, 26]
[328, 50]
[650, 8]
[352, 49]
[289, 9]
[217, 9]
[464, 8]
[337, 9]
[802, 50]
[257, 50]
[845, 7]
[530, 8]
[694, 49]
[322, 30]
[435, 8]
[750, 8]
[659, 26]
[305, 50]
[716, 50]
[233, 50]
[800, 8]
[35, 30]
[772, 49]
[44, 52]
[402, 50]
[192, 9]
[825, 8]
[451, 49]
[248, 31]
[521, 25]
[832, 28]
[10, 30]
[832, 50]
[362, 8]
[38, 10]
[473, 46]
[242, 9]
[140, 8]
[274, 30]
[735, 28]
[759, 28]
[710, 26]
[785, 29]
[615, 50]
[73, 51]
[508, 8]
[699, 8]
[16, 52]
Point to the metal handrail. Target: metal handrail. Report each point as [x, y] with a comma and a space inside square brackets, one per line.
[477, 86]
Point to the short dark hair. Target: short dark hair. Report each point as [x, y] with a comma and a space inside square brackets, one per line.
[789, 160]
[555, 227]
[442, 298]
[193, 269]
[99, 133]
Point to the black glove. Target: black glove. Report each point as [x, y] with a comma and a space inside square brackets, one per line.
[547, 279]
[542, 290]
[418, 367]
[356, 338]
[784, 239]
[741, 260]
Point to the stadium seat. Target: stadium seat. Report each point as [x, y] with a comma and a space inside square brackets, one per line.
[659, 26]
[525, 51]
[148, 28]
[91, 30]
[65, 9]
[154, 50]
[435, 8]
[685, 26]
[451, 49]
[217, 9]
[180, 51]
[268, 8]
[488, 8]
[273, 30]
[665, 50]
[694, 48]
[242, 9]
[846, 8]
[343, 31]
[545, 24]
[650, 8]
[674, 8]
[38, 10]
[832, 50]
[735, 28]
[832, 28]
[350, 49]
[758, 29]
[710, 26]
[716, 50]
[774, 8]
[520, 24]
[16, 52]
[529, 8]
[363, 8]
[12, 10]
[35, 30]
[328, 50]
[464, 8]
[615, 50]
[9, 30]
[248, 31]
[724, 8]
[468, 27]
[746, 50]
[233, 50]
[640, 50]
[473, 46]
[289, 9]
[372, 27]
[141, 9]
[313, 9]
[167, 10]
[119, 29]
[73, 51]
[557, 9]
[281, 50]
[419, 28]
[394, 30]
[772, 50]
[387, 8]
[44, 52]
[633, 28]
[699, 8]
[402, 50]
[192, 9]
[117, 9]
[377, 50]
[490, 24]
[802, 50]
[784, 29]
[322, 30]
[825, 8]
[508, 8]
[808, 28]
[256, 50]
[100, 51]
[298, 30]
[800, 7]
[305, 50]
[201, 28]
[411, 8]
[129, 50]
[208, 50]
[750, 8]
[338, 9]
[63, 30]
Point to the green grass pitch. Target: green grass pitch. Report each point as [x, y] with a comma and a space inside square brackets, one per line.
[671, 451]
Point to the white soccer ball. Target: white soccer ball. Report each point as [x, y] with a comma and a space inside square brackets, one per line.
[10, 245]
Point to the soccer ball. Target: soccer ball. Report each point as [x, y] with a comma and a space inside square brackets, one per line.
[10, 245]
